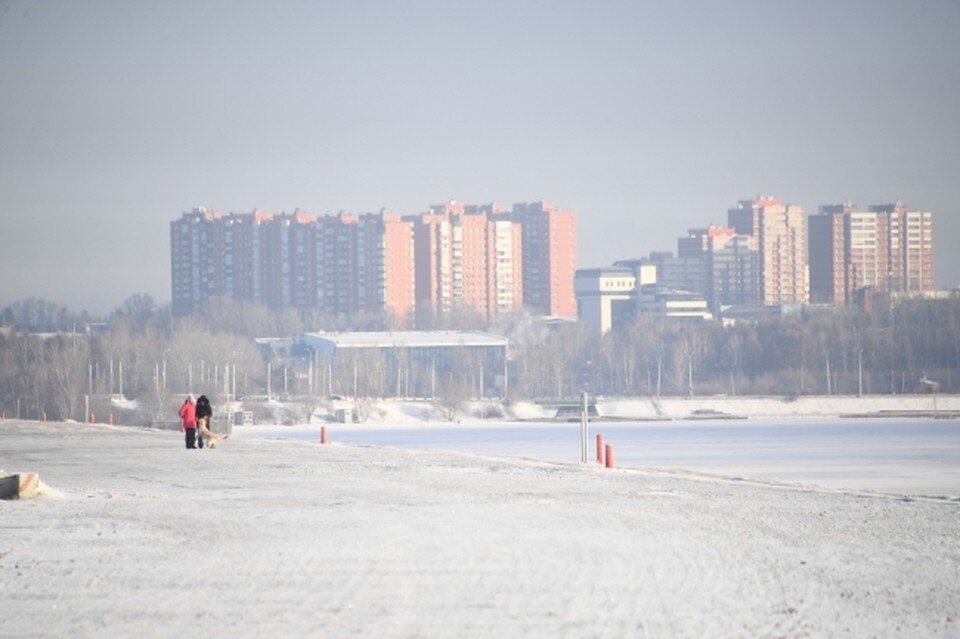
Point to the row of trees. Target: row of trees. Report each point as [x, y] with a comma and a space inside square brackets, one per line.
[814, 352]
[143, 353]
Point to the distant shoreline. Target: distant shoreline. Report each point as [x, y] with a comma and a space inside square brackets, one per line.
[423, 412]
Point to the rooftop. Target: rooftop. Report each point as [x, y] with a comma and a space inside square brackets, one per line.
[419, 339]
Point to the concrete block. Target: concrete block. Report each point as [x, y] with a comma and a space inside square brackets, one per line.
[19, 486]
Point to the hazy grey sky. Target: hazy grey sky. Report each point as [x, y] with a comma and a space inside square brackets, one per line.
[646, 118]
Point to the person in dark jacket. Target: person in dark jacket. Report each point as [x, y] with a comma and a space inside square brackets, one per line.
[204, 414]
[188, 421]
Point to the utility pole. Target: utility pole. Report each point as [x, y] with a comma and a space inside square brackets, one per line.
[860, 373]
[827, 359]
[583, 428]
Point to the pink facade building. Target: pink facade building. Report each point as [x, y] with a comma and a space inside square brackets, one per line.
[385, 268]
[910, 245]
[781, 234]
[364, 263]
[549, 257]
[887, 248]
[454, 256]
[467, 257]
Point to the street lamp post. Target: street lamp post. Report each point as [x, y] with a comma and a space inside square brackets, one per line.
[860, 373]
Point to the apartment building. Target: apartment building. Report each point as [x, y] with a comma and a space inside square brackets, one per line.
[887, 248]
[733, 268]
[728, 265]
[505, 272]
[385, 265]
[910, 245]
[453, 256]
[287, 261]
[364, 263]
[826, 254]
[335, 264]
[549, 237]
[193, 259]
[780, 231]
[468, 257]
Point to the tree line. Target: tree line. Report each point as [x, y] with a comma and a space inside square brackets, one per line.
[62, 365]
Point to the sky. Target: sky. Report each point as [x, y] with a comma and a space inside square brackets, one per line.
[646, 118]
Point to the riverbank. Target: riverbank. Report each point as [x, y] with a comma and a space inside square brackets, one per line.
[805, 406]
[136, 536]
[649, 409]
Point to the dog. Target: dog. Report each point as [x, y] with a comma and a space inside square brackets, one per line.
[210, 438]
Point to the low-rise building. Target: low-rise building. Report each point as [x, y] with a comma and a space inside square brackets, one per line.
[604, 295]
[612, 296]
[411, 363]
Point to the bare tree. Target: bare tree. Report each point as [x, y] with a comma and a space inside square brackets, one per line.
[364, 408]
[453, 393]
[66, 367]
[305, 407]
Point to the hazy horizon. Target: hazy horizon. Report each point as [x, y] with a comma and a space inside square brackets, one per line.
[646, 119]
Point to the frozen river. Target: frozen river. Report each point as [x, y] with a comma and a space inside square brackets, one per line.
[920, 457]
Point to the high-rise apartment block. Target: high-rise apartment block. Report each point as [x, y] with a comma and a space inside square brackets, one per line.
[887, 248]
[825, 253]
[337, 264]
[911, 247]
[549, 257]
[729, 262]
[453, 256]
[468, 257]
[780, 232]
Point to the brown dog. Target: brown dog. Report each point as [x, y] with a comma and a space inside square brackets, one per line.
[210, 438]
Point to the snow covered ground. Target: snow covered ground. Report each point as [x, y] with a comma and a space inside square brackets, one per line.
[138, 537]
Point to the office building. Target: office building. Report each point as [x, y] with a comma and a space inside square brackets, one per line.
[605, 297]
[612, 297]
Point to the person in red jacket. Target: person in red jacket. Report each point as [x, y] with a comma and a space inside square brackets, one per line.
[188, 421]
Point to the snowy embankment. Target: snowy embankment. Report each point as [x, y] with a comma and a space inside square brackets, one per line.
[139, 537]
[812, 406]
[424, 413]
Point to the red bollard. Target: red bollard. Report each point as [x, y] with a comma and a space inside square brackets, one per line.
[110, 418]
[44, 417]
[93, 418]
[323, 434]
[600, 456]
[609, 455]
